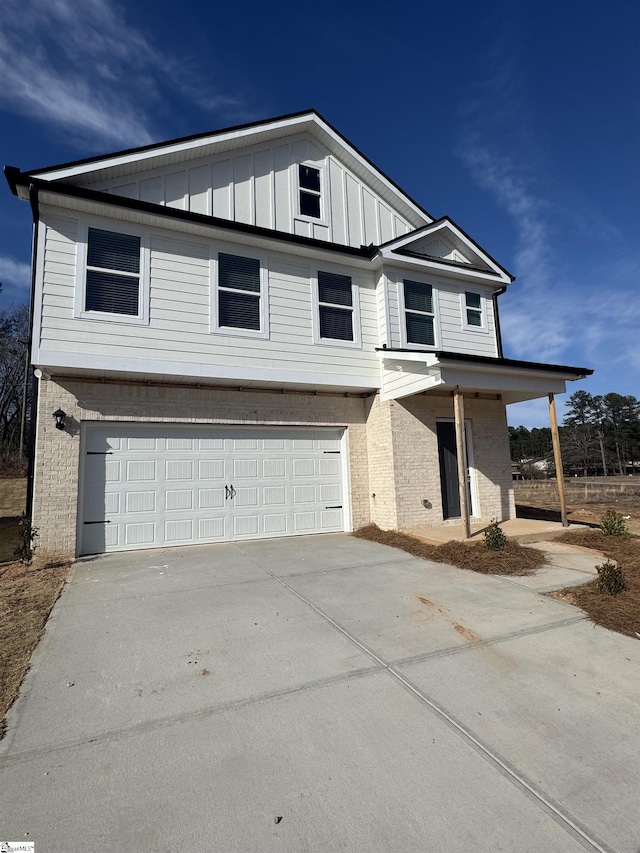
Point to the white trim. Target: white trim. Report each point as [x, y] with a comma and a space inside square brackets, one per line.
[232, 331]
[404, 343]
[309, 122]
[346, 481]
[321, 167]
[387, 309]
[36, 320]
[473, 489]
[484, 328]
[442, 268]
[446, 224]
[144, 276]
[49, 360]
[356, 343]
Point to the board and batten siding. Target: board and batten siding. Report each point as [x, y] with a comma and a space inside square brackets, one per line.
[451, 335]
[258, 187]
[179, 326]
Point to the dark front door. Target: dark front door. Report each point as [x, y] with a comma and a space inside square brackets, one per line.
[447, 453]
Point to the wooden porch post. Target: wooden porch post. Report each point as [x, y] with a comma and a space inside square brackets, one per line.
[461, 447]
[557, 456]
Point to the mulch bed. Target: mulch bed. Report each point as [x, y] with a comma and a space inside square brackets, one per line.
[27, 594]
[512, 560]
[619, 612]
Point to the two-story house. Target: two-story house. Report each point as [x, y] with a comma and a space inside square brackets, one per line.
[255, 333]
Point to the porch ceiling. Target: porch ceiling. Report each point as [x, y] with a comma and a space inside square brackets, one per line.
[407, 372]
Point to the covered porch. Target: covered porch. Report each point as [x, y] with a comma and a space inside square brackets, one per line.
[411, 373]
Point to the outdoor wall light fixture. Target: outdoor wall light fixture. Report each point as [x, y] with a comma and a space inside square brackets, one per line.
[60, 416]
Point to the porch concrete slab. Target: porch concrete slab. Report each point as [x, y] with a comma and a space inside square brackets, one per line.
[519, 529]
[294, 556]
[358, 765]
[416, 607]
[563, 706]
[129, 660]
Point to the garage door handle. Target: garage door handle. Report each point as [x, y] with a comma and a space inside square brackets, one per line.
[232, 492]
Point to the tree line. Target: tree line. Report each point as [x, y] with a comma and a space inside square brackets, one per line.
[15, 387]
[601, 435]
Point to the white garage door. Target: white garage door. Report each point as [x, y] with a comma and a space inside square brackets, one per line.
[147, 487]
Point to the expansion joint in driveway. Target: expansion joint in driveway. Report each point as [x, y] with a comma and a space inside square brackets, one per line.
[562, 816]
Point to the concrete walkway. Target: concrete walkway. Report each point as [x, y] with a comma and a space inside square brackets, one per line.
[320, 693]
[519, 529]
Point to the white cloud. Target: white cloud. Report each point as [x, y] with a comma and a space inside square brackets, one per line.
[15, 273]
[83, 68]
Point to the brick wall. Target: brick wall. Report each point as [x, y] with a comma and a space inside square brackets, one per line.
[393, 451]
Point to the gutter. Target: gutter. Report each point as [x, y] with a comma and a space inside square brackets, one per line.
[496, 318]
[35, 385]
[16, 178]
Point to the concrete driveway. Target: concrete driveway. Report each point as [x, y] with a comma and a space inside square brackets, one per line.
[320, 693]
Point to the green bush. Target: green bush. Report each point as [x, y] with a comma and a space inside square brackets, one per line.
[494, 537]
[28, 535]
[613, 524]
[610, 578]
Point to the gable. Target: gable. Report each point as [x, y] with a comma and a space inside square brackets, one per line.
[444, 244]
[250, 175]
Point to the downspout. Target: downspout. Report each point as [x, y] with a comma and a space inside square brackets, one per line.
[496, 318]
[35, 385]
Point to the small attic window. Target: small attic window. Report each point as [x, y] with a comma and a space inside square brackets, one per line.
[309, 191]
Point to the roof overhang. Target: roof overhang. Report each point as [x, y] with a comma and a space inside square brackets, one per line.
[121, 164]
[83, 200]
[408, 372]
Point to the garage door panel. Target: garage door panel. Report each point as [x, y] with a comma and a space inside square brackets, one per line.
[211, 498]
[156, 485]
[179, 469]
[179, 499]
[274, 468]
[138, 502]
[211, 528]
[245, 469]
[178, 531]
[141, 533]
[138, 470]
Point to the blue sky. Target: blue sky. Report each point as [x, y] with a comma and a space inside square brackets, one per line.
[518, 119]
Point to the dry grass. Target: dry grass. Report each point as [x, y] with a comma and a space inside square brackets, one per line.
[27, 595]
[620, 612]
[513, 560]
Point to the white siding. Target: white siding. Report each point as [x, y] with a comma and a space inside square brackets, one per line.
[258, 186]
[178, 330]
[449, 320]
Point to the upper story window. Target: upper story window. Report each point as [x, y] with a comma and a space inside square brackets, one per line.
[310, 202]
[419, 313]
[112, 282]
[473, 311]
[337, 318]
[240, 296]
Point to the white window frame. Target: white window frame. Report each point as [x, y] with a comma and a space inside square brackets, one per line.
[233, 331]
[483, 329]
[356, 343]
[79, 311]
[297, 189]
[404, 343]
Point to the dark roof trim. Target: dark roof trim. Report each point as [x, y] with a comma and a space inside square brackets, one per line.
[495, 362]
[367, 252]
[444, 219]
[238, 127]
